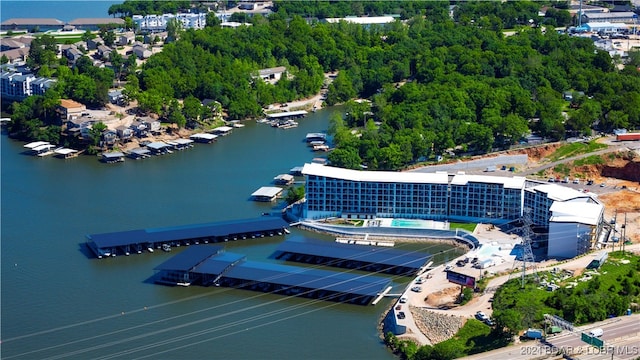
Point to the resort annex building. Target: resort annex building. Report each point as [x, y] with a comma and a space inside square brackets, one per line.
[570, 220]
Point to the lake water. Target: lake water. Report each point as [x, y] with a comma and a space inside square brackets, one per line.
[58, 303]
[61, 10]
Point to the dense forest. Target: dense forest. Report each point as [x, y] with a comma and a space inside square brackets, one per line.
[434, 82]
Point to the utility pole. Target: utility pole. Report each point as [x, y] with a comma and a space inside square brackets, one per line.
[624, 232]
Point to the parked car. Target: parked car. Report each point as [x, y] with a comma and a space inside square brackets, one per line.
[448, 267]
[481, 316]
[401, 315]
[416, 289]
[489, 322]
[403, 300]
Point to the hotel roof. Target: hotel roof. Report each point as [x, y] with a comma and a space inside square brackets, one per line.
[560, 193]
[576, 212]
[515, 182]
[374, 176]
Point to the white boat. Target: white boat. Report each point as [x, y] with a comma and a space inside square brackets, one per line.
[286, 231]
[166, 247]
[150, 249]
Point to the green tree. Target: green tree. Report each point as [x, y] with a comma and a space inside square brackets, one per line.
[294, 194]
[345, 158]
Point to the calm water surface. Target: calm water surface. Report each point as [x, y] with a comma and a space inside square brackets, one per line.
[59, 303]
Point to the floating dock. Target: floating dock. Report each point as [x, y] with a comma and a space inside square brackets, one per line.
[135, 241]
[360, 257]
[287, 115]
[211, 265]
[203, 138]
[112, 157]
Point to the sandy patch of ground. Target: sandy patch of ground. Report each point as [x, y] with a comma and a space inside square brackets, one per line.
[445, 297]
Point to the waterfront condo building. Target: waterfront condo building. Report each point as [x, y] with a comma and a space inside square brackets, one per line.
[337, 192]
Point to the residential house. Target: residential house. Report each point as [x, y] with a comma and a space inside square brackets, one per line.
[125, 38]
[141, 51]
[69, 109]
[103, 52]
[124, 133]
[152, 124]
[92, 44]
[109, 137]
[272, 75]
[139, 128]
[72, 54]
[116, 97]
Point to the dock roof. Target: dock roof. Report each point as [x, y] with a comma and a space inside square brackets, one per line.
[112, 155]
[158, 145]
[189, 258]
[286, 114]
[186, 232]
[287, 275]
[217, 264]
[203, 136]
[363, 253]
[267, 191]
[35, 144]
[64, 151]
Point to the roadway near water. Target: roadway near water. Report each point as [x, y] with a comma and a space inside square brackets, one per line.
[59, 303]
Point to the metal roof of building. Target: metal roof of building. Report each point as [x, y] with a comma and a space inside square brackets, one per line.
[32, 21]
[158, 145]
[186, 232]
[516, 182]
[267, 191]
[203, 136]
[374, 176]
[65, 151]
[576, 212]
[364, 253]
[189, 258]
[111, 155]
[309, 278]
[287, 113]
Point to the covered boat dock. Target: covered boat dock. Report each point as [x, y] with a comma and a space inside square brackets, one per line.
[266, 193]
[203, 138]
[112, 157]
[65, 153]
[287, 115]
[210, 265]
[360, 257]
[136, 241]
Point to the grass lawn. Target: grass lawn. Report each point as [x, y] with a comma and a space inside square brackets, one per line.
[465, 226]
[475, 337]
[574, 149]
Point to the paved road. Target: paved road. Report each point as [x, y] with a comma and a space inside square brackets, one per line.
[621, 336]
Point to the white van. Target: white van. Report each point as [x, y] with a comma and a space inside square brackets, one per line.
[596, 332]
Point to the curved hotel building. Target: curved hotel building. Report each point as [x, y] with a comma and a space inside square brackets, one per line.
[572, 219]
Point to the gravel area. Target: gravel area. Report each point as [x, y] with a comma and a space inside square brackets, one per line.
[436, 327]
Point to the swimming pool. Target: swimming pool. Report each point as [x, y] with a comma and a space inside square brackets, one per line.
[411, 223]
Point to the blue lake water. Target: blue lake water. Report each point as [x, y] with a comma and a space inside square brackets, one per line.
[61, 10]
[58, 303]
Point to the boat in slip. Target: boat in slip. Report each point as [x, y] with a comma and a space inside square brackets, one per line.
[166, 247]
[150, 249]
